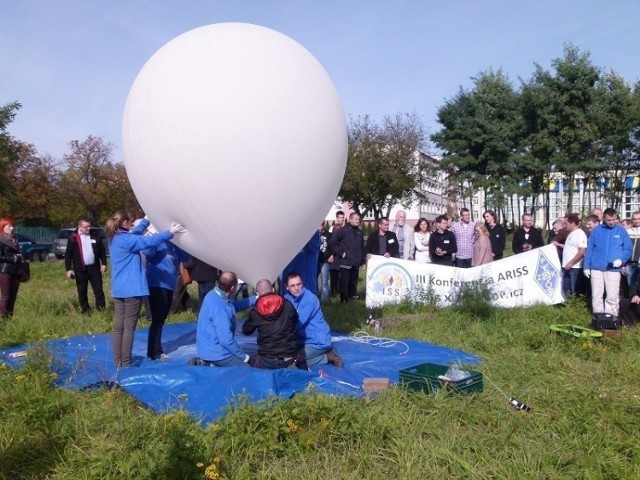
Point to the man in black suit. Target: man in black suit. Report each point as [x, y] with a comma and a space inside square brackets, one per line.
[86, 260]
[383, 242]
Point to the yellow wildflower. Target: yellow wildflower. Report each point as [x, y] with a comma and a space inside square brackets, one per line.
[293, 428]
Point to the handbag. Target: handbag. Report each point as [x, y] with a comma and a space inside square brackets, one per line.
[185, 274]
[25, 272]
[604, 321]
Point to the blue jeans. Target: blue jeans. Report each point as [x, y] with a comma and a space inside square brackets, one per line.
[315, 356]
[463, 262]
[324, 282]
[572, 281]
[229, 362]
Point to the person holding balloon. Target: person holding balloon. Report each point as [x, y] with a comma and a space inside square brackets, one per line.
[128, 279]
[163, 263]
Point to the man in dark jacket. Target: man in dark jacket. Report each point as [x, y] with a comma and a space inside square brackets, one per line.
[275, 319]
[527, 237]
[442, 243]
[86, 260]
[348, 244]
[383, 242]
[205, 275]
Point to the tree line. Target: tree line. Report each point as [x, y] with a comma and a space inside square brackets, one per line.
[39, 190]
[509, 141]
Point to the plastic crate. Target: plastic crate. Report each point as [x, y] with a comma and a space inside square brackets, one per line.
[424, 378]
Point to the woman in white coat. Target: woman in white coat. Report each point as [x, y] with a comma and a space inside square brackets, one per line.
[421, 239]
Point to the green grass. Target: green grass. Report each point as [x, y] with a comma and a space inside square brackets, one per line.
[584, 395]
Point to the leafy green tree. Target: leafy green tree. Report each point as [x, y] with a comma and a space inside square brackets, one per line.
[90, 184]
[8, 154]
[383, 166]
[616, 112]
[480, 137]
[32, 178]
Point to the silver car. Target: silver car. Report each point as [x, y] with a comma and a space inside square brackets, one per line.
[60, 242]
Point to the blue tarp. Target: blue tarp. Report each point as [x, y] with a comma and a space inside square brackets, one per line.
[86, 362]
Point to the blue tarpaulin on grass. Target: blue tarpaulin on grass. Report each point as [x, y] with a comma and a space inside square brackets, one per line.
[87, 361]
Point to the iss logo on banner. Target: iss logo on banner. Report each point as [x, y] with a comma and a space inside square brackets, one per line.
[390, 280]
[547, 275]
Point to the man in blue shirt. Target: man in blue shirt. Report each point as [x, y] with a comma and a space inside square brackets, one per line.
[312, 329]
[215, 336]
[608, 249]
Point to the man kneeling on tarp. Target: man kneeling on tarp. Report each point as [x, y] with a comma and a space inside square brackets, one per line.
[275, 319]
[312, 329]
[215, 334]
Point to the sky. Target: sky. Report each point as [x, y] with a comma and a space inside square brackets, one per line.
[71, 63]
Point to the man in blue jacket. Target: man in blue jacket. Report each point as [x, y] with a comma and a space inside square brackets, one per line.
[312, 329]
[608, 249]
[215, 335]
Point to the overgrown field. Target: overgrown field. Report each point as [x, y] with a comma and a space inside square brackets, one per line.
[585, 398]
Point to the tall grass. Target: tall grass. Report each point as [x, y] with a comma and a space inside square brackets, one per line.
[584, 395]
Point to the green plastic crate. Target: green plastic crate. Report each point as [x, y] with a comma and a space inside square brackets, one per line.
[424, 378]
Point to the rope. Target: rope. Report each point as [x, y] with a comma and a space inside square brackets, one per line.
[364, 337]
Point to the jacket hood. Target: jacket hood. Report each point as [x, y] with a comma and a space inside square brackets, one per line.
[269, 305]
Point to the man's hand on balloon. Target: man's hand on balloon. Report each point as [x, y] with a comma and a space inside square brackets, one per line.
[176, 228]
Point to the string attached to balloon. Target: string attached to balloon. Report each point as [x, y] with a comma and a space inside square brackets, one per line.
[515, 403]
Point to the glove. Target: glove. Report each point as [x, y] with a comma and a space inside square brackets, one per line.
[587, 273]
[246, 358]
[617, 263]
[176, 228]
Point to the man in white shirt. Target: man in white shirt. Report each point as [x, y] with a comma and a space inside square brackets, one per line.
[86, 260]
[405, 235]
[575, 247]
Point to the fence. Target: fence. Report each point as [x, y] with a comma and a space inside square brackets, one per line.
[39, 234]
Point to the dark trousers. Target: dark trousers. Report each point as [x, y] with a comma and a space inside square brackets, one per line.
[160, 302]
[630, 312]
[93, 276]
[270, 363]
[203, 289]
[463, 262]
[348, 283]
[334, 280]
[9, 285]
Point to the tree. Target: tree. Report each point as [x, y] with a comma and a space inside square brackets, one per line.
[383, 164]
[480, 137]
[92, 186]
[8, 155]
[32, 178]
[616, 112]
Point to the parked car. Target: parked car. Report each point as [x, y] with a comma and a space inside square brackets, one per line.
[60, 242]
[32, 250]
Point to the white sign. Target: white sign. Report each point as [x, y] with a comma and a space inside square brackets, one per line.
[529, 278]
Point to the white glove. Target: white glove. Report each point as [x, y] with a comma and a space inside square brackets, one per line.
[176, 228]
[617, 263]
[246, 358]
[587, 273]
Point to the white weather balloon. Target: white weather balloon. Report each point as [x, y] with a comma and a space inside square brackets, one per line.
[237, 132]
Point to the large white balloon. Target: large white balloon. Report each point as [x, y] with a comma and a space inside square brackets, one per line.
[237, 132]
